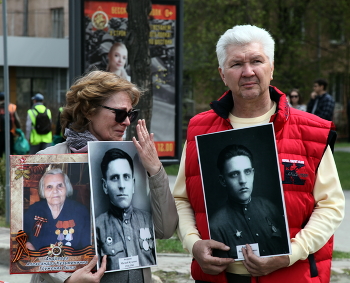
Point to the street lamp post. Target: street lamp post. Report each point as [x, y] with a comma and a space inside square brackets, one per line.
[7, 118]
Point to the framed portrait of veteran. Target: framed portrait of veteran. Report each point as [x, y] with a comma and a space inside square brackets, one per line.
[243, 191]
[51, 223]
[121, 206]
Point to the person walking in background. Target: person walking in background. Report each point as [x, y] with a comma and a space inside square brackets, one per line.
[321, 102]
[14, 124]
[296, 100]
[38, 125]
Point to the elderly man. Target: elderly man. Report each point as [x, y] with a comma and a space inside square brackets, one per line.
[123, 231]
[314, 203]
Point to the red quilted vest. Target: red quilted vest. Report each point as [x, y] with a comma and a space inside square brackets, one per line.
[300, 137]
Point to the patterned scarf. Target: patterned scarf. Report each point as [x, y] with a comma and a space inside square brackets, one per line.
[77, 142]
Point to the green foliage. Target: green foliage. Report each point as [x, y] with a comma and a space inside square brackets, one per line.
[203, 25]
[172, 169]
[338, 254]
[342, 161]
[172, 245]
[3, 222]
[304, 32]
[342, 144]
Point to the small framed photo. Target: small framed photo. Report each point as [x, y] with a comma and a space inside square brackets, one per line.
[51, 224]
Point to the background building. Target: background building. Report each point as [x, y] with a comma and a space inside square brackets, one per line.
[37, 53]
[312, 41]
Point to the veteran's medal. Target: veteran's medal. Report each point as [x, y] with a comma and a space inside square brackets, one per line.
[109, 241]
[65, 226]
[56, 250]
[145, 235]
[273, 228]
[145, 245]
[66, 234]
[69, 236]
[238, 234]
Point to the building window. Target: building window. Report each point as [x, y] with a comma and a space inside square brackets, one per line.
[57, 18]
[336, 86]
[336, 27]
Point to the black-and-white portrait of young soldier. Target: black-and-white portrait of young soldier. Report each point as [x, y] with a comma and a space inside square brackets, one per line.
[242, 216]
[123, 232]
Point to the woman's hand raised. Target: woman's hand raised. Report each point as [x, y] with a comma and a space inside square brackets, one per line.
[147, 149]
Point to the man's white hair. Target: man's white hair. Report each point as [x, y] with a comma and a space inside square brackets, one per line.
[242, 35]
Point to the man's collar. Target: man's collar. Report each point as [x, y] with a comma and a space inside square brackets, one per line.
[121, 213]
[322, 94]
[224, 104]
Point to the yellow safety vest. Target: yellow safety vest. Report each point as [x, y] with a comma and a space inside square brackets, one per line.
[35, 138]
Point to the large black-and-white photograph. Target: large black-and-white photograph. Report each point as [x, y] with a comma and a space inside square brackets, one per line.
[243, 192]
[121, 207]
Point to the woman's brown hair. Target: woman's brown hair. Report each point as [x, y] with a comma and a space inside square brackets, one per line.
[88, 92]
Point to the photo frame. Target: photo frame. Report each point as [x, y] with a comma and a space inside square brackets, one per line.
[51, 227]
[243, 191]
[121, 206]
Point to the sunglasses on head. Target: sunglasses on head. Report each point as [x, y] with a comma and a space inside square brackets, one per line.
[120, 115]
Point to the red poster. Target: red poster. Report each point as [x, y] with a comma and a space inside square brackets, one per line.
[105, 29]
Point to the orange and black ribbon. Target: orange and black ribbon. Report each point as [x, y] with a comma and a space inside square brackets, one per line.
[21, 238]
[38, 224]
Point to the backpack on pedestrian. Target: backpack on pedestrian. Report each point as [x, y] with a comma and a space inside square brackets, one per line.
[42, 122]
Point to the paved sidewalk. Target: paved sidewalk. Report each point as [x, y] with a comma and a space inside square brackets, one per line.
[179, 264]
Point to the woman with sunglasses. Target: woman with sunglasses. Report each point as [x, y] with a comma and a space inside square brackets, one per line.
[99, 107]
[295, 100]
